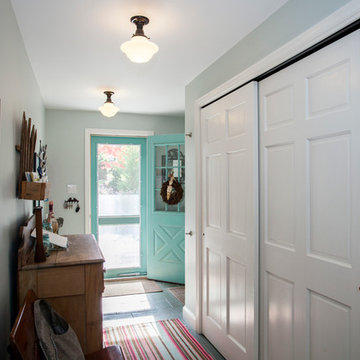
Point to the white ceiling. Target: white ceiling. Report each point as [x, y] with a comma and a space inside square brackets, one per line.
[74, 47]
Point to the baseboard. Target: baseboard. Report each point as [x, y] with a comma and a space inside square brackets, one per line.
[189, 317]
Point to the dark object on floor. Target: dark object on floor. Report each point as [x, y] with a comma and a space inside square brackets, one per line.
[178, 292]
[24, 343]
[56, 337]
[130, 287]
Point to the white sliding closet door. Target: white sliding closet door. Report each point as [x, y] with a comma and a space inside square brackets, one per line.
[310, 207]
[230, 223]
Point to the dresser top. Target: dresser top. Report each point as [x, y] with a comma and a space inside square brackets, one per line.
[82, 249]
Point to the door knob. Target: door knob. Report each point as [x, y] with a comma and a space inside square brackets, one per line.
[190, 233]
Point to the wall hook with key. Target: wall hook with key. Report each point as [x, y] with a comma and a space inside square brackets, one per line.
[71, 202]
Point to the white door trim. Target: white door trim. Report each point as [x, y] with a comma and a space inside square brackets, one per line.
[101, 132]
[328, 26]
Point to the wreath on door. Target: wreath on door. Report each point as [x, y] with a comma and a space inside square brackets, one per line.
[171, 191]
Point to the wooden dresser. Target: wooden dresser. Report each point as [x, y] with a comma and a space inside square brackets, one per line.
[72, 282]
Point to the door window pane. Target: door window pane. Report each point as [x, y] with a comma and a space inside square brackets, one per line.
[182, 176]
[118, 180]
[173, 158]
[159, 204]
[182, 202]
[160, 178]
[169, 159]
[160, 155]
[172, 208]
[120, 245]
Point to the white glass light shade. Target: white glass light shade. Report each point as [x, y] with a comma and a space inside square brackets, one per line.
[139, 49]
[108, 109]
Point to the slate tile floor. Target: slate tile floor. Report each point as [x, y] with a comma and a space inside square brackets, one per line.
[140, 308]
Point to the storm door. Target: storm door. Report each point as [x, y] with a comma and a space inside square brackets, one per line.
[118, 175]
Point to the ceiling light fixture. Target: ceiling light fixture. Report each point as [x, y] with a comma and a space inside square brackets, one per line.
[108, 109]
[139, 49]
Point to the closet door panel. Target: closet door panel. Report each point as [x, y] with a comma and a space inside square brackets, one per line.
[279, 187]
[279, 299]
[310, 196]
[230, 223]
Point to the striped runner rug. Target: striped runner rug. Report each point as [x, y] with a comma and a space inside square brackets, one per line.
[167, 339]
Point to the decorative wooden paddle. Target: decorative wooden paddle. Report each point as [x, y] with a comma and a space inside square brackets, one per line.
[26, 149]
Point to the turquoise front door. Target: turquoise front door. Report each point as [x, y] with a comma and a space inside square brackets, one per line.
[118, 203]
[166, 223]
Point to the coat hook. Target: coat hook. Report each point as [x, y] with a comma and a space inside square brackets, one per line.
[189, 134]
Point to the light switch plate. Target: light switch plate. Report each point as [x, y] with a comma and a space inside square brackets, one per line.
[71, 189]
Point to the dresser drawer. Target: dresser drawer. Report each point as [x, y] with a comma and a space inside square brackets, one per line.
[61, 281]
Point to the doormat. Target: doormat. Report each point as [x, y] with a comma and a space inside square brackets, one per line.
[178, 292]
[128, 287]
[167, 339]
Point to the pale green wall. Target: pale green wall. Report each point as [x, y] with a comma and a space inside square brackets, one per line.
[290, 20]
[18, 92]
[65, 135]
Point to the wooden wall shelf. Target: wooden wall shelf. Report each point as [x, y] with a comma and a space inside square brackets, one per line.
[34, 190]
